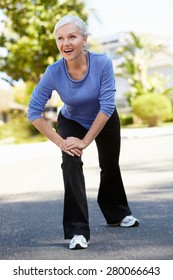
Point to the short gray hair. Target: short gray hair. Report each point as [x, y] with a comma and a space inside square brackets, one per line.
[71, 19]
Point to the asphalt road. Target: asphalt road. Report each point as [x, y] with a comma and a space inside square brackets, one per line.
[31, 203]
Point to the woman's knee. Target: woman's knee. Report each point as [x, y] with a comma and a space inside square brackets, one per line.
[71, 161]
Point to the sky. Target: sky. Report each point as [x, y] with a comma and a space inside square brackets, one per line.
[142, 16]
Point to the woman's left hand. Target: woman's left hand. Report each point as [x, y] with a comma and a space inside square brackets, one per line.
[72, 143]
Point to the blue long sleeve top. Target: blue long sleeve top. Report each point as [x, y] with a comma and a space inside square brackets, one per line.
[82, 99]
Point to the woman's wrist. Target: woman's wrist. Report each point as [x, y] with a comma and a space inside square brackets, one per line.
[86, 142]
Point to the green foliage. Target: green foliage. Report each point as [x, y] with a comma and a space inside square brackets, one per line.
[152, 108]
[137, 52]
[20, 129]
[155, 84]
[126, 119]
[28, 34]
[170, 96]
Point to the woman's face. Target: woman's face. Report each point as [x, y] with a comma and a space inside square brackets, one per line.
[70, 41]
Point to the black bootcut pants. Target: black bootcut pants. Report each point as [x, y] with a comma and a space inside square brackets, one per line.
[111, 195]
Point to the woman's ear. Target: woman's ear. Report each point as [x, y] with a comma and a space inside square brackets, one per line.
[85, 43]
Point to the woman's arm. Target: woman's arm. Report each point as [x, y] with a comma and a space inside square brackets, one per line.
[73, 142]
[40, 96]
[96, 127]
[42, 125]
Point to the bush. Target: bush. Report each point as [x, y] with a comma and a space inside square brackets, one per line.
[126, 119]
[152, 108]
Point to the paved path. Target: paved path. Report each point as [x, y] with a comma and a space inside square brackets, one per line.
[31, 202]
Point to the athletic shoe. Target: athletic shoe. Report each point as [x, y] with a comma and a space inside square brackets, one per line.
[128, 221]
[78, 242]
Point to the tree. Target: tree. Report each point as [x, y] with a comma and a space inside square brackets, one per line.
[137, 52]
[28, 37]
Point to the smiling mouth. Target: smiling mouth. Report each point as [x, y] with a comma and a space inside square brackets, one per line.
[68, 51]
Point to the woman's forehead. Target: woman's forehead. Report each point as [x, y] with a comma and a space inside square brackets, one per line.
[68, 29]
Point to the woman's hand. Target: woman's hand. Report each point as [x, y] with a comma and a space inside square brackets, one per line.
[73, 152]
[72, 143]
[42, 125]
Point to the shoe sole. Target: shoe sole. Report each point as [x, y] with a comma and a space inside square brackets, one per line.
[78, 247]
[136, 223]
[124, 225]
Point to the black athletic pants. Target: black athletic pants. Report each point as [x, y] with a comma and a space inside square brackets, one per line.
[111, 195]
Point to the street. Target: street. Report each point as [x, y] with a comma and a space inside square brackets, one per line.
[31, 203]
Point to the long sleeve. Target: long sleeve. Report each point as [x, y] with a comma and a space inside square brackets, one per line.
[107, 91]
[41, 94]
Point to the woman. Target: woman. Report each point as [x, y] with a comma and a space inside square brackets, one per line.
[85, 82]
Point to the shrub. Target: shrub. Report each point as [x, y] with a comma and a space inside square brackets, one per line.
[152, 108]
[126, 119]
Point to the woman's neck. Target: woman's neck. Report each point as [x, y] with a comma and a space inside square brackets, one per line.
[78, 61]
[78, 67]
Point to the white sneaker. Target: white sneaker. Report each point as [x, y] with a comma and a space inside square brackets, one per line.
[78, 242]
[129, 221]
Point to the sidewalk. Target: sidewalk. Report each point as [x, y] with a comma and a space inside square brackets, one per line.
[130, 133]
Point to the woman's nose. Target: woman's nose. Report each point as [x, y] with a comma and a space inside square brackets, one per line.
[66, 41]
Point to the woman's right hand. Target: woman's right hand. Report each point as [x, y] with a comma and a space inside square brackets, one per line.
[73, 152]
